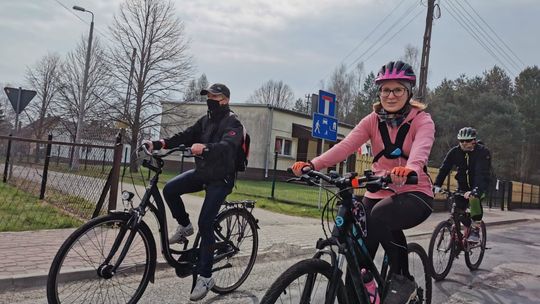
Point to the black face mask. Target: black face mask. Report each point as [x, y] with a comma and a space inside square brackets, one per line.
[212, 104]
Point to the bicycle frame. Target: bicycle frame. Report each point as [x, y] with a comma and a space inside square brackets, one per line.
[351, 244]
[456, 218]
[187, 257]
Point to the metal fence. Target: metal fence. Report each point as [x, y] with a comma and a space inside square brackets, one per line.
[55, 184]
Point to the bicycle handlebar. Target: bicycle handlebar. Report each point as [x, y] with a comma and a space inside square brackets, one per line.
[458, 192]
[350, 180]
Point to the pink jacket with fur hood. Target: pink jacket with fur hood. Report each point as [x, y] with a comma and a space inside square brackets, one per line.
[417, 146]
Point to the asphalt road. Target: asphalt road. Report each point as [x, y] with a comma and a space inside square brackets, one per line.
[509, 274]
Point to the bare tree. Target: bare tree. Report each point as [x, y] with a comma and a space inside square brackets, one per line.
[411, 57]
[44, 77]
[193, 92]
[162, 64]
[275, 93]
[70, 87]
[6, 113]
[347, 87]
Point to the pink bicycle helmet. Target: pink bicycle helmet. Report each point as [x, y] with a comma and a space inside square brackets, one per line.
[396, 70]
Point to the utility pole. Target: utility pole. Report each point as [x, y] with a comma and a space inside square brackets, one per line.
[421, 94]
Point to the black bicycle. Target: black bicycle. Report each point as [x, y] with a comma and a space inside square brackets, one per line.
[111, 258]
[447, 241]
[319, 279]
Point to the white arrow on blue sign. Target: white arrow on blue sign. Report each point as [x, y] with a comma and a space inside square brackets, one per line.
[324, 127]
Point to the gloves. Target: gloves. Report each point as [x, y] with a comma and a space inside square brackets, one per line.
[301, 167]
[436, 189]
[402, 171]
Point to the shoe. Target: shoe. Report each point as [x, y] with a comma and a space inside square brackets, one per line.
[474, 236]
[401, 290]
[181, 234]
[201, 288]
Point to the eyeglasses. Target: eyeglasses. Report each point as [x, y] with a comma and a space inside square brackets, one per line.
[465, 140]
[398, 92]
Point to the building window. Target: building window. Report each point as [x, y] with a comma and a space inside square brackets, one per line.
[283, 146]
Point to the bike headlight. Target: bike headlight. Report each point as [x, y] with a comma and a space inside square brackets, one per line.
[127, 196]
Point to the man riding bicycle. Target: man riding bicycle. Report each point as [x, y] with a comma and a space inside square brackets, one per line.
[216, 137]
[473, 163]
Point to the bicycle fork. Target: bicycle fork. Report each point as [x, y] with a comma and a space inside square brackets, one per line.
[107, 271]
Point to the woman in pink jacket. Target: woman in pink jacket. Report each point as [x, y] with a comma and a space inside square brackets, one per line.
[400, 155]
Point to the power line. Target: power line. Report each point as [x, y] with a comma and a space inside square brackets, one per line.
[84, 21]
[391, 27]
[517, 57]
[392, 37]
[402, 17]
[453, 12]
[372, 31]
[495, 43]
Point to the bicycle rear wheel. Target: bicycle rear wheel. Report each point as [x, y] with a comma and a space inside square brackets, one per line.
[305, 282]
[78, 273]
[441, 251]
[475, 251]
[233, 262]
[419, 269]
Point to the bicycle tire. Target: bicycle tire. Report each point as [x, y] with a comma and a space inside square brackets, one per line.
[473, 265]
[77, 261]
[442, 236]
[240, 227]
[420, 271]
[279, 290]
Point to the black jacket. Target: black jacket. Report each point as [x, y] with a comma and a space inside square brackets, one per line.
[222, 134]
[473, 168]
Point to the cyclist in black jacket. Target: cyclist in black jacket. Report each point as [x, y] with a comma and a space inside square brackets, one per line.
[216, 137]
[473, 163]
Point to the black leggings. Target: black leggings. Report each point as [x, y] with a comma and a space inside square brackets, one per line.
[386, 220]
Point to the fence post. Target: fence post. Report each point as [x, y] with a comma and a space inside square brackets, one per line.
[274, 177]
[46, 168]
[510, 192]
[115, 176]
[6, 168]
[503, 193]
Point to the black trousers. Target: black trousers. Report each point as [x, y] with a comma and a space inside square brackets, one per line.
[386, 220]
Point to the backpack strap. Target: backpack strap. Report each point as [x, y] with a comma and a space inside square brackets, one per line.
[392, 150]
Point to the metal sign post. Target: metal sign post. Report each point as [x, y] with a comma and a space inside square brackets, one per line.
[325, 123]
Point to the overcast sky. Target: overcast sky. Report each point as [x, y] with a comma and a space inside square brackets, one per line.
[244, 43]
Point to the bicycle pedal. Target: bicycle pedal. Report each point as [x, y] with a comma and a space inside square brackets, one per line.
[184, 271]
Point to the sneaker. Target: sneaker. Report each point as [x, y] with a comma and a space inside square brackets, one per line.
[201, 288]
[474, 236]
[181, 234]
[400, 290]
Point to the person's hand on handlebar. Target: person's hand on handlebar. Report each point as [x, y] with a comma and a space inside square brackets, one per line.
[148, 144]
[436, 189]
[399, 175]
[300, 167]
[197, 149]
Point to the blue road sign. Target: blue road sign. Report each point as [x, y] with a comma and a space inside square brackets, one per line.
[324, 127]
[327, 103]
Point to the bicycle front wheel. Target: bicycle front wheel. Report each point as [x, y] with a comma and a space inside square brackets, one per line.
[236, 249]
[80, 274]
[475, 251]
[441, 251]
[307, 281]
[419, 269]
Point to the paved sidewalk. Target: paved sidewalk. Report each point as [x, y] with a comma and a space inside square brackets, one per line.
[27, 256]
